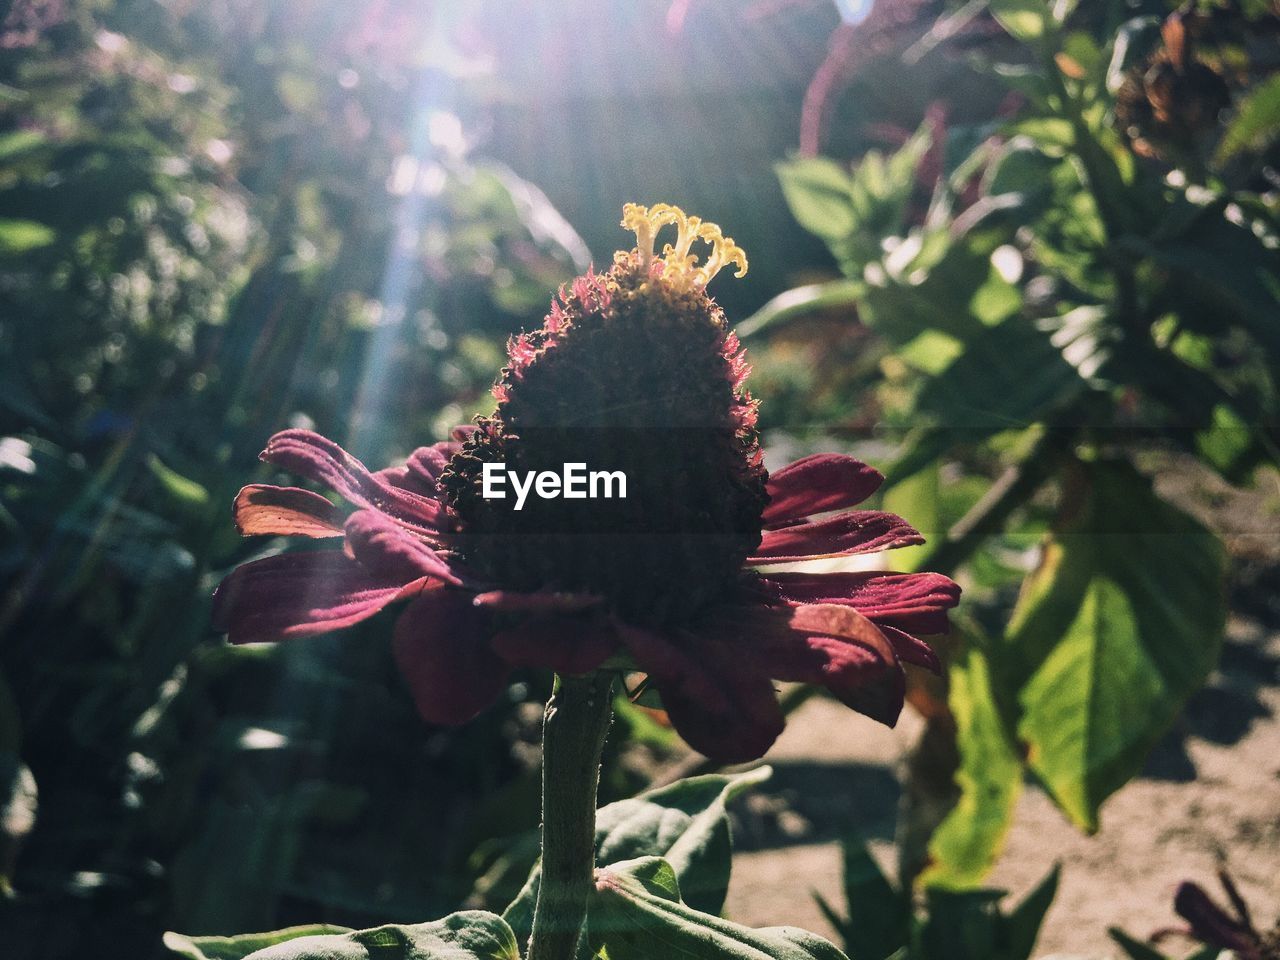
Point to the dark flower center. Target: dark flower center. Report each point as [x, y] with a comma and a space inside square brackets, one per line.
[635, 372]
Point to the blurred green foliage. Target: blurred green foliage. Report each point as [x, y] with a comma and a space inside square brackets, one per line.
[221, 219]
[883, 921]
[216, 221]
[1090, 275]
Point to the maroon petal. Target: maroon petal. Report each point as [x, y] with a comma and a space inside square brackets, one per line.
[511, 601]
[441, 647]
[261, 509]
[860, 531]
[312, 456]
[564, 645]
[300, 594]
[915, 602]
[722, 710]
[879, 697]
[815, 484]
[832, 646]
[1211, 924]
[390, 552]
[421, 471]
[911, 649]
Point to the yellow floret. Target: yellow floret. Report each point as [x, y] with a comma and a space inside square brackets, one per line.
[679, 263]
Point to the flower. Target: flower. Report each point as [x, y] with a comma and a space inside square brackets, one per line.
[633, 370]
[1169, 105]
[1214, 926]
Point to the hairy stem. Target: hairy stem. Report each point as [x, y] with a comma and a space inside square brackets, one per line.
[573, 733]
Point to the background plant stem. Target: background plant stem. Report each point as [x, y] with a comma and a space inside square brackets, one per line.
[574, 729]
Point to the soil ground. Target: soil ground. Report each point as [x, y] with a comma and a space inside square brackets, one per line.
[1209, 792]
[1211, 789]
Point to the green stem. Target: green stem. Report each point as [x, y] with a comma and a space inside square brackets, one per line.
[1010, 491]
[929, 791]
[573, 733]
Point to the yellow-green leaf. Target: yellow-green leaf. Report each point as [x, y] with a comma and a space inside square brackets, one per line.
[967, 843]
[1025, 20]
[19, 236]
[1121, 622]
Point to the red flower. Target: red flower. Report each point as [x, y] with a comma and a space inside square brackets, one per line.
[1214, 926]
[635, 369]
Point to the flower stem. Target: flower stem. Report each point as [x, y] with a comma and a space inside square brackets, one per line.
[573, 733]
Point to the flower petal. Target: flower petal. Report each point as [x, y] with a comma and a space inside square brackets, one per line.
[915, 602]
[911, 649]
[441, 646]
[390, 552]
[262, 509]
[542, 601]
[723, 711]
[879, 697]
[818, 483]
[565, 645]
[860, 531]
[833, 646]
[421, 470]
[298, 595]
[310, 455]
[1210, 923]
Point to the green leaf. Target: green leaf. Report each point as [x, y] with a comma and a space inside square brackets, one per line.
[882, 185]
[996, 300]
[685, 822]
[1055, 133]
[879, 920]
[852, 210]
[1027, 168]
[916, 496]
[982, 392]
[931, 352]
[636, 914]
[1022, 926]
[1138, 950]
[970, 925]
[800, 301]
[1081, 52]
[936, 277]
[1120, 623]
[965, 846]
[1257, 121]
[19, 802]
[241, 945]
[1133, 43]
[1025, 20]
[922, 449]
[817, 191]
[182, 489]
[1216, 270]
[1135, 949]
[1226, 443]
[469, 935]
[17, 142]
[19, 236]
[962, 925]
